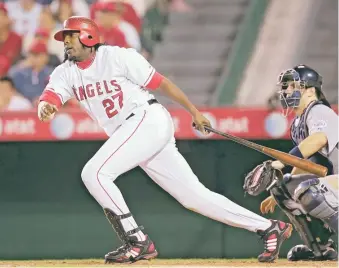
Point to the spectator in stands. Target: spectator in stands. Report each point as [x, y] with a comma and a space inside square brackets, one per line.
[113, 16]
[127, 11]
[10, 42]
[64, 11]
[10, 99]
[77, 7]
[50, 24]
[45, 2]
[31, 79]
[137, 5]
[141, 7]
[43, 35]
[180, 6]
[25, 15]
[110, 34]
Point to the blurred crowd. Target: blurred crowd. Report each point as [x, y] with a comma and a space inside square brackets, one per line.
[28, 52]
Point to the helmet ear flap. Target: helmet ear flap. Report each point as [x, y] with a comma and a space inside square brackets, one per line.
[88, 39]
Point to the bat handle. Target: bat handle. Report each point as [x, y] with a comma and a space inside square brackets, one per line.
[210, 129]
[207, 128]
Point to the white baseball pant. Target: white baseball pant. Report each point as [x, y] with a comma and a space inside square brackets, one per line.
[147, 140]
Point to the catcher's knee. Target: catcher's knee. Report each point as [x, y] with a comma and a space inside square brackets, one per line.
[316, 205]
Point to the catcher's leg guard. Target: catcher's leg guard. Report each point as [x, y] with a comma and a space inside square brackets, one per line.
[316, 204]
[317, 200]
[296, 217]
[132, 250]
[314, 233]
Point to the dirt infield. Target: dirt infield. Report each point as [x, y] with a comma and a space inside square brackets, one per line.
[175, 263]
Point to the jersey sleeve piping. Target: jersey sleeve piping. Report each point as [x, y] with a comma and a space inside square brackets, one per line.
[149, 77]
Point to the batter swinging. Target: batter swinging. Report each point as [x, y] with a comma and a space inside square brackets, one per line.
[110, 83]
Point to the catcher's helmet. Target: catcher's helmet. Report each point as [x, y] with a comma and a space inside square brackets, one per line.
[302, 75]
[89, 31]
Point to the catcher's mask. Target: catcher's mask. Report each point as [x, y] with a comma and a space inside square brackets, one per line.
[261, 179]
[292, 82]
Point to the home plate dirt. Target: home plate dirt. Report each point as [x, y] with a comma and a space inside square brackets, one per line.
[170, 263]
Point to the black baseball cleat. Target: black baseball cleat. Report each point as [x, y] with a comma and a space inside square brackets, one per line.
[303, 253]
[133, 251]
[273, 237]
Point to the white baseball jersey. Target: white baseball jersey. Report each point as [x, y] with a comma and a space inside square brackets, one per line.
[109, 88]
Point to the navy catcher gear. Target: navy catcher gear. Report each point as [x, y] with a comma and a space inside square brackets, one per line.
[301, 77]
[312, 231]
[302, 252]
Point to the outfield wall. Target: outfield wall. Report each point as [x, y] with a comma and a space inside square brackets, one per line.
[46, 212]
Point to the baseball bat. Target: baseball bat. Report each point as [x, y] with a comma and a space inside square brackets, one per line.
[286, 158]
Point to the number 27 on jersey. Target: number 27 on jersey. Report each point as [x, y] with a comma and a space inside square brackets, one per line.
[109, 103]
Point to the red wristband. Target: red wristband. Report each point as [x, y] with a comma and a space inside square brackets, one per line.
[51, 97]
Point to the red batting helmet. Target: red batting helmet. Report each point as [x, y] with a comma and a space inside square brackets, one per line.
[89, 31]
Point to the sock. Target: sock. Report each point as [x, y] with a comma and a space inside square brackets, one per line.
[130, 224]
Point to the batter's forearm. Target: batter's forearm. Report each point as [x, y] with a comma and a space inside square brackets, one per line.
[176, 94]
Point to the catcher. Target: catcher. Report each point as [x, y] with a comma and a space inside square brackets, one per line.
[309, 202]
[310, 205]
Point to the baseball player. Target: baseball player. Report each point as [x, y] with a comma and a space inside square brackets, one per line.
[113, 85]
[314, 133]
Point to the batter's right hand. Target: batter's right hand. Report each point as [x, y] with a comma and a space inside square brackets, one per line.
[268, 205]
[46, 111]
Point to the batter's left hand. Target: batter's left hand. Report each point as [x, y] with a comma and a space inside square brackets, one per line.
[199, 121]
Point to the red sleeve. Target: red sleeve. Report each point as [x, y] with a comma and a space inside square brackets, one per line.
[51, 97]
[155, 82]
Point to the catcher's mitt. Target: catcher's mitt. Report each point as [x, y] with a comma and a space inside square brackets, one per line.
[258, 180]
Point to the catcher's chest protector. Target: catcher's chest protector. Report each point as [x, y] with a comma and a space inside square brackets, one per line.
[299, 130]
